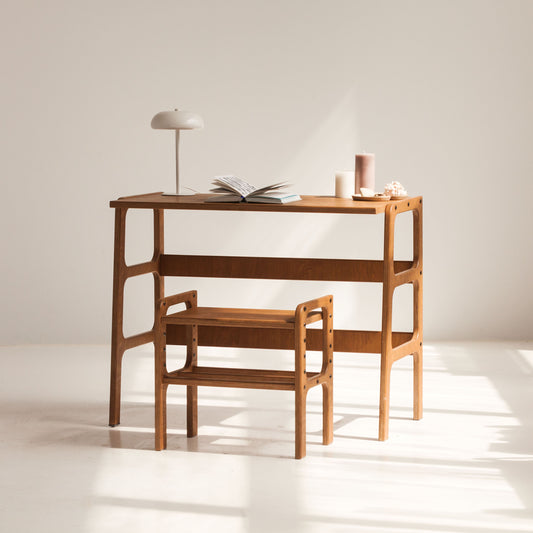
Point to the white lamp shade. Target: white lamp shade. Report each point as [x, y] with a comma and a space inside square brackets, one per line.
[177, 120]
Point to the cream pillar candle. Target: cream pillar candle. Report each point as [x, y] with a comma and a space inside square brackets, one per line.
[365, 170]
[344, 184]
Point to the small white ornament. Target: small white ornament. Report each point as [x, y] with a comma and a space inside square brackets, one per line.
[366, 192]
[395, 189]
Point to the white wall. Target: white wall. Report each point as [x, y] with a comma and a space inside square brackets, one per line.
[439, 90]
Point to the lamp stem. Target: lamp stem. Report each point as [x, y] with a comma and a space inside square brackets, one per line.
[177, 162]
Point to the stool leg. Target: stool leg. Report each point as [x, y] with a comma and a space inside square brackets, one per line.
[161, 417]
[192, 390]
[192, 410]
[327, 371]
[301, 390]
[384, 401]
[301, 400]
[327, 406]
[417, 385]
[160, 392]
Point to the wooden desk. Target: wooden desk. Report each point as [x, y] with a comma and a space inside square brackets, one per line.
[391, 345]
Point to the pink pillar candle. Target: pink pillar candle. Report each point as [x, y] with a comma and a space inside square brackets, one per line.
[365, 170]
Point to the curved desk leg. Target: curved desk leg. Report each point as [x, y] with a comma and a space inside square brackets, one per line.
[386, 323]
[121, 272]
[417, 311]
[117, 336]
[390, 354]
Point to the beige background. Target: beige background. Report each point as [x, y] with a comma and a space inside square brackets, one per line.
[440, 91]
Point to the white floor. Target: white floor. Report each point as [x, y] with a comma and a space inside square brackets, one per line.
[466, 467]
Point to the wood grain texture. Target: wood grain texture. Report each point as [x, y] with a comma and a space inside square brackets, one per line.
[117, 336]
[391, 280]
[193, 375]
[350, 341]
[418, 311]
[229, 317]
[192, 390]
[300, 384]
[121, 273]
[233, 377]
[287, 268]
[391, 345]
[327, 374]
[308, 204]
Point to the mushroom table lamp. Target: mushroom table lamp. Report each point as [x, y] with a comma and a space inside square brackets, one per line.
[177, 120]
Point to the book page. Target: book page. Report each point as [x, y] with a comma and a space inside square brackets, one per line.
[268, 188]
[234, 184]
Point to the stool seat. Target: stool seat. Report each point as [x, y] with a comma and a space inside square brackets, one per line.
[253, 318]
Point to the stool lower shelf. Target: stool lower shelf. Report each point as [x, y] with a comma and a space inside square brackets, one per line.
[244, 378]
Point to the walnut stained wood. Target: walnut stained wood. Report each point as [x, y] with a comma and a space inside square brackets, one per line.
[289, 268]
[192, 375]
[252, 318]
[391, 345]
[281, 339]
[308, 204]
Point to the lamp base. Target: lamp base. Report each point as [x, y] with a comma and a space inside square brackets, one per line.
[178, 194]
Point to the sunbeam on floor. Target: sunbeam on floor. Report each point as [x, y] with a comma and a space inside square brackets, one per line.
[466, 467]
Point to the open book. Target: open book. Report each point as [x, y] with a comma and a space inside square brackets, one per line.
[234, 189]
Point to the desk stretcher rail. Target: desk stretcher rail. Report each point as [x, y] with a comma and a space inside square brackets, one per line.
[286, 268]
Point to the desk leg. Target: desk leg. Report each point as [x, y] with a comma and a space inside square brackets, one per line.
[121, 272]
[159, 247]
[390, 282]
[386, 323]
[117, 337]
[417, 311]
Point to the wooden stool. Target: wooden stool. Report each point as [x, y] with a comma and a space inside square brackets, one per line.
[192, 375]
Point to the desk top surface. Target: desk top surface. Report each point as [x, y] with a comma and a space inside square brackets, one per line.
[308, 204]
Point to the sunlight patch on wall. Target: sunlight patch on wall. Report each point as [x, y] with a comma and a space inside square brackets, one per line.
[331, 146]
